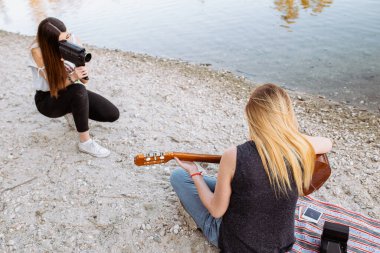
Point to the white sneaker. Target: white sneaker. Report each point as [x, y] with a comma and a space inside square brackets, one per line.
[70, 120]
[93, 148]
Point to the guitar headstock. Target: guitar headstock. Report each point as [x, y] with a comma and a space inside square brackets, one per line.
[153, 158]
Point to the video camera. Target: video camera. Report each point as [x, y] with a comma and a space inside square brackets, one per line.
[334, 238]
[74, 53]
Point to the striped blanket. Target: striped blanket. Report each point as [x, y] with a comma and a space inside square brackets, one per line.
[364, 232]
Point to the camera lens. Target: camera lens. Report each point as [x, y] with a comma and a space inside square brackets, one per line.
[87, 57]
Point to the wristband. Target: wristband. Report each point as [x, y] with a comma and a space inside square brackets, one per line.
[196, 174]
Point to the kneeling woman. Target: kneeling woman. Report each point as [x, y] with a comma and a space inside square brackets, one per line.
[59, 86]
[250, 206]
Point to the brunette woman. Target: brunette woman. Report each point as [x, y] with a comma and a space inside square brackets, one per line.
[60, 89]
[250, 206]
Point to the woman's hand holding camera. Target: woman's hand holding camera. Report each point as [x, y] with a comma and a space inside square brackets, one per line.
[80, 72]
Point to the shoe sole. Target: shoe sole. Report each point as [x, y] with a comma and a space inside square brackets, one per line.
[98, 156]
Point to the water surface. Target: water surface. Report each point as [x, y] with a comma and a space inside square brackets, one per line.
[327, 47]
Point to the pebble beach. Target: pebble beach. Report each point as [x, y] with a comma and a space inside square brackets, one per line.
[55, 199]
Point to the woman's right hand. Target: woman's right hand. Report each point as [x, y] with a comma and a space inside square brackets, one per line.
[80, 73]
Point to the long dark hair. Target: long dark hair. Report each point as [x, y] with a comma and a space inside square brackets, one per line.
[48, 33]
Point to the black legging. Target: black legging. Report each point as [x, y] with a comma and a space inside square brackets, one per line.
[84, 104]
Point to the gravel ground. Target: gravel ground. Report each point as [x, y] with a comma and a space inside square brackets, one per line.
[55, 199]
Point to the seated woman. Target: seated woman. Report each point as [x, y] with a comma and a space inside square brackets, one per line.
[250, 206]
[60, 86]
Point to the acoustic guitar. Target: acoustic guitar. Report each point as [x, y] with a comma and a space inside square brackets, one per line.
[322, 170]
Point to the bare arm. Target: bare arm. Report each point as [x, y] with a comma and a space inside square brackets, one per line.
[217, 202]
[321, 145]
[37, 57]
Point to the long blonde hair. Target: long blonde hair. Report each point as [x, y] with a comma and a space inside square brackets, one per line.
[282, 148]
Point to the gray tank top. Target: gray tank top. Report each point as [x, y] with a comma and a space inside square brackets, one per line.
[256, 220]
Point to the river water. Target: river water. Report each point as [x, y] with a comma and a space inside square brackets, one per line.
[326, 47]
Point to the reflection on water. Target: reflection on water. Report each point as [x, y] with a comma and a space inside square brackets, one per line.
[38, 10]
[290, 8]
[333, 47]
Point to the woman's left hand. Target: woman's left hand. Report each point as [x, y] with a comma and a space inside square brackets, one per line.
[190, 167]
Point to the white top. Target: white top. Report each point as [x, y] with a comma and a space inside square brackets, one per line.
[39, 82]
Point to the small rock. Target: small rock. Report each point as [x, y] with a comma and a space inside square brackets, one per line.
[157, 239]
[176, 229]
[167, 171]
[148, 206]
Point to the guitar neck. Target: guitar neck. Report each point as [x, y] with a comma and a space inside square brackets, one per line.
[191, 157]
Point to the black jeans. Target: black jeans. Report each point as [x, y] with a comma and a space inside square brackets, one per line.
[76, 99]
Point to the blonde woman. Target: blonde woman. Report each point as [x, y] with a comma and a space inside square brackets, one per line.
[250, 206]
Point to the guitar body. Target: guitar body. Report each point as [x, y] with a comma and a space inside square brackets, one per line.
[322, 170]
